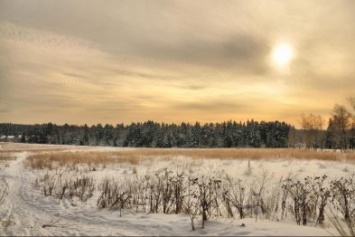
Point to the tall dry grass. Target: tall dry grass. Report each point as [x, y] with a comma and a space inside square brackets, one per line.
[241, 153]
[7, 156]
[21, 147]
[134, 156]
[62, 159]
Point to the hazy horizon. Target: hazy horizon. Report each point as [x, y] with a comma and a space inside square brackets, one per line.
[110, 62]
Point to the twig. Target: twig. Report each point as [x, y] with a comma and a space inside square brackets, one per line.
[52, 225]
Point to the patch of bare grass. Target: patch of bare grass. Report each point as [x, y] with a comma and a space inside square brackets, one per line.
[21, 147]
[72, 159]
[231, 154]
[7, 156]
[134, 156]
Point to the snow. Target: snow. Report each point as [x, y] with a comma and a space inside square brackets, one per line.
[25, 211]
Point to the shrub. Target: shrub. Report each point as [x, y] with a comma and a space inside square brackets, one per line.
[342, 197]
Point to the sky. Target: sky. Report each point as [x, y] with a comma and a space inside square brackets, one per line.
[93, 61]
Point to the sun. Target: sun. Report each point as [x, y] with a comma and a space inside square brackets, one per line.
[282, 54]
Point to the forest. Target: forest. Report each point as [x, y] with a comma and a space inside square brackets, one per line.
[152, 134]
[339, 134]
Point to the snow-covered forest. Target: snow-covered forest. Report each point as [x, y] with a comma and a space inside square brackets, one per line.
[339, 134]
[152, 134]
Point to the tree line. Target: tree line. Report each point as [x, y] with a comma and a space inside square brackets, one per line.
[151, 134]
[339, 134]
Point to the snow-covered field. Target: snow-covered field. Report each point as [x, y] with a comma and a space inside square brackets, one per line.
[25, 210]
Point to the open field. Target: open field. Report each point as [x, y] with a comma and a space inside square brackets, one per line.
[69, 190]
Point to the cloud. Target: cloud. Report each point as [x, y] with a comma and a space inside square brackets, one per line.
[143, 29]
[169, 60]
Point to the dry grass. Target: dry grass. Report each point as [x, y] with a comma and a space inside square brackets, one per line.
[134, 156]
[21, 147]
[7, 156]
[244, 153]
[61, 159]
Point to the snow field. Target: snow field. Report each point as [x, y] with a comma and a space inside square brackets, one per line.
[25, 210]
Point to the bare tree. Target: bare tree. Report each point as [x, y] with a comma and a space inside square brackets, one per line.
[294, 137]
[312, 125]
[339, 126]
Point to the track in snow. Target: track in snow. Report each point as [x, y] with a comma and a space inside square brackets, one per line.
[25, 211]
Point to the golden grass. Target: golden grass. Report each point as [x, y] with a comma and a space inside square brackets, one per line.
[6, 147]
[243, 153]
[61, 159]
[134, 156]
[7, 156]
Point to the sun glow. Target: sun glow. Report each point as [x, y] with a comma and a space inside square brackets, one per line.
[282, 55]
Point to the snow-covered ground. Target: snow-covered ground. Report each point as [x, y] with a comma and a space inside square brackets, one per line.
[24, 210]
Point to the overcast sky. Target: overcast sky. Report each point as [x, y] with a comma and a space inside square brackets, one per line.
[127, 61]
